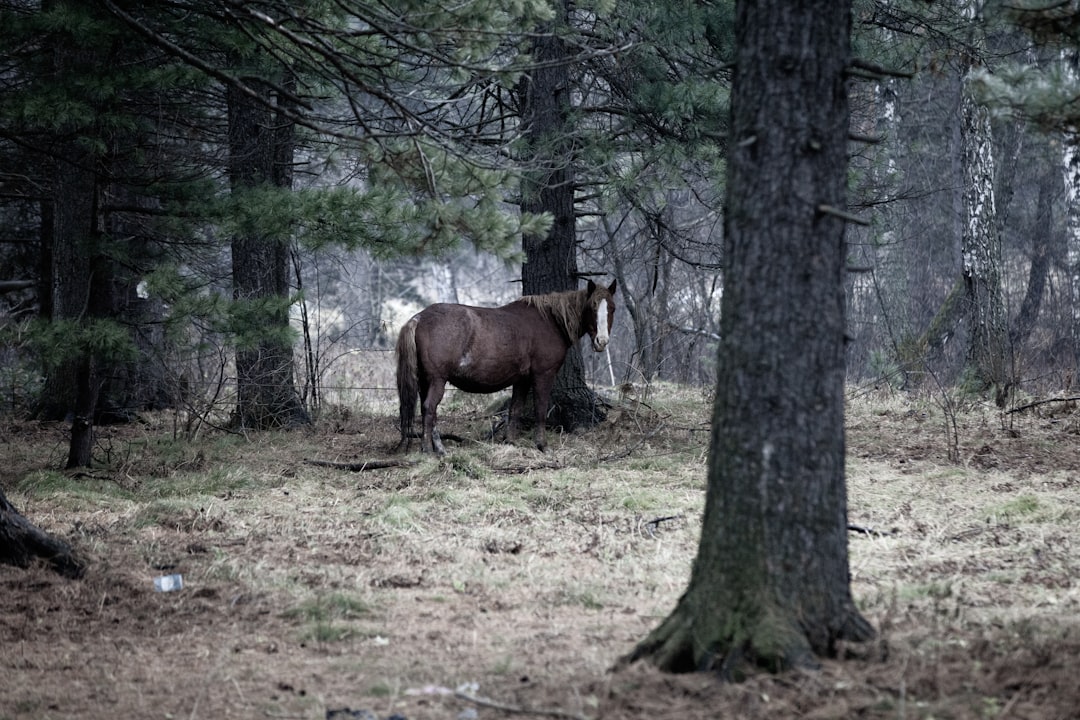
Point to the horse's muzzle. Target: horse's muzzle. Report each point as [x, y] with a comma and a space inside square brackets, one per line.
[598, 344]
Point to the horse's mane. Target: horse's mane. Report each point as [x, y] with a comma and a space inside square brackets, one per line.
[562, 308]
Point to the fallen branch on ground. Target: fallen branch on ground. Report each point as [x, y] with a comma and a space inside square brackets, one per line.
[1041, 402]
[870, 531]
[655, 522]
[361, 466]
[522, 469]
[484, 702]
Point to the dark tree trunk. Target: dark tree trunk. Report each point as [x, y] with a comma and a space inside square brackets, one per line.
[79, 273]
[770, 585]
[551, 260]
[21, 543]
[1041, 243]
[67, 224]
[260, 152]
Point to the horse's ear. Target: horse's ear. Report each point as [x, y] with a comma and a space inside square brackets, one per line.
[611, 287]
[591, 287]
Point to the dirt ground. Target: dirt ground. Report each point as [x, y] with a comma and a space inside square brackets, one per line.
[500, 581]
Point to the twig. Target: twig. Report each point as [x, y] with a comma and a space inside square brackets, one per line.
[484, 702]
[843, 215]
[865, 68]
[653, 525]
[870, 531]
[522, 469]
[361, 466]
[655, 522]
[696, 331]
[868, 139]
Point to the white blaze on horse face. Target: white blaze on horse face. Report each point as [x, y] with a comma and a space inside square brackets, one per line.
[600, 340]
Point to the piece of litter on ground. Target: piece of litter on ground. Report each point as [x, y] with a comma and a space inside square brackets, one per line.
[168, 583]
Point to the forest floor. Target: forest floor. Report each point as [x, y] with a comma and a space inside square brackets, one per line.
[500, 580]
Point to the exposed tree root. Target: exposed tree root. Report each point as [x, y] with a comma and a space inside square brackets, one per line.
[21, 542]
[766, 640]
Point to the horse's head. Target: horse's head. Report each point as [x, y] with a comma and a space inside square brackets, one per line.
[599, 313]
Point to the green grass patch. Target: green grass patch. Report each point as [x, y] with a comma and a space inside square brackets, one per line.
[1019, 507]
[216, 481]
[94, 489]
[398, 512]
[330, 618]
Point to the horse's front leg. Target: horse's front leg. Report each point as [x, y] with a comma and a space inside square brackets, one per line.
[430, 436]
[542, 398]
[517, 404]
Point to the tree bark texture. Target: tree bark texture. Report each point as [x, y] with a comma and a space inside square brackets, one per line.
[551, 261]
[1071, 163]
[770, 585]
[66, 258]
[1041, 244]
[21, 543]
[260, 152]
[76, 275]
[981, 248]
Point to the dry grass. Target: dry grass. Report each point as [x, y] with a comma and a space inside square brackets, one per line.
[523, 575]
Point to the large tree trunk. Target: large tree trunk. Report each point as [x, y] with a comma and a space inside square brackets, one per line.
[260, 152]
[551, 260]
[770, 584]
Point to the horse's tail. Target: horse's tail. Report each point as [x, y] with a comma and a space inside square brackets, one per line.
[408, 385]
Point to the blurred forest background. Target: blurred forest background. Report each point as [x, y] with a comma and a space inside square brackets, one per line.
[229, 208]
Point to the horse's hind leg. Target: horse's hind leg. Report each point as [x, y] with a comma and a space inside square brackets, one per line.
[542, 398]
[517, 404]
[432, 398]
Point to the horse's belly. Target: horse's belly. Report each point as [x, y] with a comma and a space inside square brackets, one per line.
[485, 382]
[486, 377]
[474, 386]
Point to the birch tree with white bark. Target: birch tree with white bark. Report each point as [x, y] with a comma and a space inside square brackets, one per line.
[981, 243]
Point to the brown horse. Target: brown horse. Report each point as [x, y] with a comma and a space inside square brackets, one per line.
[483, 350]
